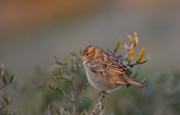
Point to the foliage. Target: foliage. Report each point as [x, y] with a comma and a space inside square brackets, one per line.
[67, 71]
[6, 99]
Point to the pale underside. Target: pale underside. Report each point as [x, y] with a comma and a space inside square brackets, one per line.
[100, 82]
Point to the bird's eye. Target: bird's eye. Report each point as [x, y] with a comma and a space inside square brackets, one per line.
[87, 54]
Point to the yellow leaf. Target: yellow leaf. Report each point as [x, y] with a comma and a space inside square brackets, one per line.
[140, 56]
[136, 37]
[118, 44]
[132, 39]
[131, 54]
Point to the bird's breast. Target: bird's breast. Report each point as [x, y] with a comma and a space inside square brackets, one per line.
[99, 82]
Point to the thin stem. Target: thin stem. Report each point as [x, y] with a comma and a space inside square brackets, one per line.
[56, 92]
[73, 99]
[4, 107]
[113, 54]
[81, 91]
[133, 64]
[4, 86]
[80, 102]
[64, 79]
[128, 50]
[99, 107]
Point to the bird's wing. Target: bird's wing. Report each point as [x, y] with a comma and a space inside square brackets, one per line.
[112, 69]
[108, 70]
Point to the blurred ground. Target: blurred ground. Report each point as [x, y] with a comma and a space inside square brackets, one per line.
[32, 32]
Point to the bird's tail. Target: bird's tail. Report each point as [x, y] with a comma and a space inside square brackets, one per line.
[137, 83]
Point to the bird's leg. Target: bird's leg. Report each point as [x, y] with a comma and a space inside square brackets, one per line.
[102, 95]
[99, 104]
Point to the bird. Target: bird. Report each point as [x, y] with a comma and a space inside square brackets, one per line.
[104, 72]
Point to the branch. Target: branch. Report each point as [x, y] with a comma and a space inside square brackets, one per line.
[81, 91]
[64, 79]
[113, 54]
[73, 102]
[128, 50]
[4, 106]
[4, 85]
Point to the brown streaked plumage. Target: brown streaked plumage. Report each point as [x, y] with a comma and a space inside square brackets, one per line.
[104, 72]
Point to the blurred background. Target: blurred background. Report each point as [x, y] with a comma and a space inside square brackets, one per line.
[33, 32]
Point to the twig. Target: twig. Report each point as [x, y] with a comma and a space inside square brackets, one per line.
[128, 50]
[99, 106]
[49, 111]
[64, 79]
[4, 85]
[80, 102]
[56, 92]
[73, 102]
[113, 54]
[4, 106]
[81, 91]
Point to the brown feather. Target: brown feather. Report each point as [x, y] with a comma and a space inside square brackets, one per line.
[106, 72]
[134, 82]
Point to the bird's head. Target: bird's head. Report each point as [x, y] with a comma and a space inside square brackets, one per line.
[90, 52]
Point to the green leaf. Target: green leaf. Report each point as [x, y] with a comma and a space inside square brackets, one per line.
[131, 54]
[15, 112]
[62, 112]
[143, 62]
[132, 39]
[73, 54]
[59, 72]
[57, 61]
[4, 79]
[118, 44]
[73, 68]
[129, 61]
[122, 57]
[72, 78]
[83, 90]
[140, 56]
[8, 98]
[84, 112]
[5, 112]
[13, 77]
[2, 103]
[69, 58]
[66, 77]
[131, 66]
[5, 99]
[56, 58]
[50, 86]
[61, 91]
[2, 72]
[66, 63]
[137, 72]
[67, 112]
[96, 98]
[54, 112]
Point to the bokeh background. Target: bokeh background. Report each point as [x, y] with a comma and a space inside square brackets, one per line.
[33, 32]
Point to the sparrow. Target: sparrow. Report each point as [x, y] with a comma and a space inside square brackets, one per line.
[104, 72]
